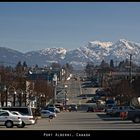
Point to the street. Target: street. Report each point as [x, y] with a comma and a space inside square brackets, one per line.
[80, 120]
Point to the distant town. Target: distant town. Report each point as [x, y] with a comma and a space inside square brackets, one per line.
[35, 83]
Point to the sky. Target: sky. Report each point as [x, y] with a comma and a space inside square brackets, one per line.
[30, 26]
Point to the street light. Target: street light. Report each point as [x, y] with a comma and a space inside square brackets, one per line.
[25, 96]
[6, 94]
[14, 98]
[42, 100]
[65, 95]
[54, 84]
[5, 89]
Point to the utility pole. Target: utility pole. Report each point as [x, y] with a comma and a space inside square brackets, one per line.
[54, 85]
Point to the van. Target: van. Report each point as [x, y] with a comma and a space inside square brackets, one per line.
[23, 110]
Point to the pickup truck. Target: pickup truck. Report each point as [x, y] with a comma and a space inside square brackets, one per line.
[133, 115]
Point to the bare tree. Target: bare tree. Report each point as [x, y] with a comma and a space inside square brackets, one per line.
[122, 91]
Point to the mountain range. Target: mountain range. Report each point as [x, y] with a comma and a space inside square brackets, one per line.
[93, 51]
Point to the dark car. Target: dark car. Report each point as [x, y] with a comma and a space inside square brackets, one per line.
[118, 109]
[110, 103]
[95, 109]
[72, 107]
[90, 109]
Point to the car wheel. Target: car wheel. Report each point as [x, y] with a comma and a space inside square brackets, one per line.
[51, 117]
[136, 119]
[9, 124]
[21, 125]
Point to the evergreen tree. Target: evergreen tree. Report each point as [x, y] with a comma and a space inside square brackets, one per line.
[111, 63]
[24, 64]
[104, 64]
[19, 67]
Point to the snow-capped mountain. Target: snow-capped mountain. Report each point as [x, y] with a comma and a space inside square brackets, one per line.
[122, 49]
[46, 56]
[94, 51]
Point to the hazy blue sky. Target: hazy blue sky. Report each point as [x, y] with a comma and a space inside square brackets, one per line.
[31, 26]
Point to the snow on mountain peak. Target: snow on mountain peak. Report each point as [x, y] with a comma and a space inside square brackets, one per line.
[125, 44]
[94, 51]
[99, 43]
[53, 50]
[123, 40]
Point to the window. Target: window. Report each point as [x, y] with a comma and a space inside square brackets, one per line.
[22, 110]
[4, 114]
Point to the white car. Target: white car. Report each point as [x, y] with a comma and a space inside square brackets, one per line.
[47, 114]
[53, 109]
[26, 119]
[9, 120]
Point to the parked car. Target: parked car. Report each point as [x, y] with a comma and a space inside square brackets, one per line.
[109, 110]
[110, 103]
[90, 109]
[47, 114]
[72, 107]
[115, 111]
[91, 101]
[22, 110]
[85, 96]
[133, 115]
[59, 105]
[9, 120]
[95, 109]
[52, 109]
[26, 119]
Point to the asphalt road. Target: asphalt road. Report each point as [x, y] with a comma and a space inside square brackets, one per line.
[80, 120]
[73, 90]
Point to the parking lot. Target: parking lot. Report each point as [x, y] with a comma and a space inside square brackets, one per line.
[80, 120]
